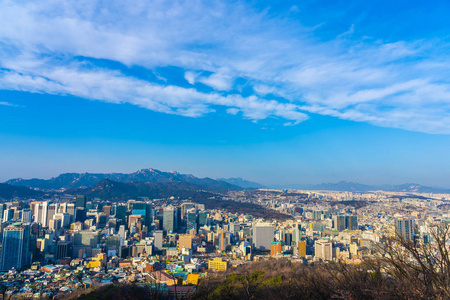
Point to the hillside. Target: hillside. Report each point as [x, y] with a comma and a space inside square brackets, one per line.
[108, 189]
[8, 191]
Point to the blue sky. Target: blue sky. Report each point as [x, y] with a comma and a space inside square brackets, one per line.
[280, 93]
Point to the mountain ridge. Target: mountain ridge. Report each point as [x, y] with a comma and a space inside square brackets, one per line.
[77, 180]
[8, 191]
[246, 184]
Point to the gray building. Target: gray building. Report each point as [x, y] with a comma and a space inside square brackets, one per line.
[263, 235]
[404, 227]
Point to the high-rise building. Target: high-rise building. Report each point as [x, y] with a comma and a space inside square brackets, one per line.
[191, 220]
[263, 234]
[302, 248]
[145, 210]
[404, 227]
[158, 242]
[62, 249]
[41, 210]
[121, 212]
[351, 222]
[51, 211]
[185, 207]
[323, 250]
[339, 222]
[107, 210]
[8, 214]
[170, 219]
[2, 209]
[288, 239]
[101, 220]
[80, 214]
[27, 216]
[202, 219]
[275, 248]
[80, 201]
[15, 247]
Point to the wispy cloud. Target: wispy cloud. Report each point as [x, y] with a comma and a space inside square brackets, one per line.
[7, 104]
[401, 84]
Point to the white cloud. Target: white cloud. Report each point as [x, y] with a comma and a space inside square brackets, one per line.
[4, 103]
[398, 84]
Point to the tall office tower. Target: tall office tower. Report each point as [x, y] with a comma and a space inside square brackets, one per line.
[107, 210]
[101, 220]
[145, 210]
[263, 234]
[33, 207]
[54, 224]
[2, 209]
[158, 242]
[185, 207]
[8, 214]
[302, 248]
[323, 250]
[135, 220]
[351, 222]
[339, 222]
[62, 207]
[275, 248]
[404, 227]
[288, 239]
[191, 220]
[17, 214]
[64, 217]
[234, 228]
[62, 249]
[223, 240]
[41, 213]
[170, 218]
[70, 209]
[80, 214]
[121, 212]
[80, 201]
[122, 232]
[51, 211]
[26, 216]
[16, 247]
[202, 219]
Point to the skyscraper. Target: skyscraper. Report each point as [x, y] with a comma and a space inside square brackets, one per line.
[170, 219]
[302, 248]
[16, 247]
[263, 234]
[351, 222]
[339, 222]
[80, 201]
[404, 227]
[158, 242]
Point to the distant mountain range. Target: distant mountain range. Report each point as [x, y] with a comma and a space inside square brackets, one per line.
[77, 180]
[108, 189]
[172, 180]
[242, 183]
[8, 191]
[347, 186]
